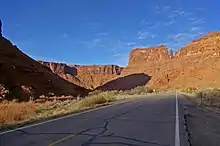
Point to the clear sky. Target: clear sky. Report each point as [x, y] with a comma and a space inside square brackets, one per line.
[104, 31]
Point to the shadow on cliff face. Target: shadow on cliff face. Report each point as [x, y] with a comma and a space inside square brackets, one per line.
[126, 83]
[23, 78]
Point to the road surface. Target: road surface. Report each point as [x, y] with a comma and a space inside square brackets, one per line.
[156, 120]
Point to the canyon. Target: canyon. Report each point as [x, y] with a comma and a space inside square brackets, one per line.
[196, 65]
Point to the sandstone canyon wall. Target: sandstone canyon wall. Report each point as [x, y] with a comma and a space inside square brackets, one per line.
[195, 65]
[88, 76]
[140, 56]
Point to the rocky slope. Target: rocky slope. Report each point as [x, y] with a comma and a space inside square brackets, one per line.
[89, 77]
[22, 77]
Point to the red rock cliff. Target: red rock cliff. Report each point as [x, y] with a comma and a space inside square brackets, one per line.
[88, 76]
[208, 45]
[195, 65]
[141, 56]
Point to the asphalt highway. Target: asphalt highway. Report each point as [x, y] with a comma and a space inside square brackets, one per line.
[155, 120]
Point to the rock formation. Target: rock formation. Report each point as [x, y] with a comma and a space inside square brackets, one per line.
[141, 56]
[208, 45]
[195, 65]
[0, 29]
[88, 76]
[25, 78]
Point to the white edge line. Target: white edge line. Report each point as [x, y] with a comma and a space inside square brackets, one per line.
[64, 117]
[177, 132]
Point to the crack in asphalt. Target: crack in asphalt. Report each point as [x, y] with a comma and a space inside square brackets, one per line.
[104, 128]
[90, 141]
[112, 135]
[189, 138]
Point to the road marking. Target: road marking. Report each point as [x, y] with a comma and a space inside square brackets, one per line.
[177, 131]
[62, 139]
[71, 115]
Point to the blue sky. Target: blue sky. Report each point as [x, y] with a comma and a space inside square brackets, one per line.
[104, 31]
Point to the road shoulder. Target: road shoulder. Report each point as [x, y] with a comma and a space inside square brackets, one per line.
[202, 125]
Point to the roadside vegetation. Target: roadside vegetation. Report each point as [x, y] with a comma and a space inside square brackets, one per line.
[204, 97]
[14, 112]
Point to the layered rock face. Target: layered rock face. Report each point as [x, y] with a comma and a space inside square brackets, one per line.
[24, 78]
[208, 45]
[95, 75]
[58, 68]
[141, 56]
[195, 65]
[86, 76]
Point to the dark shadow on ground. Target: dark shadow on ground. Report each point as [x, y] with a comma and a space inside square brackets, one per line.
[126, 83]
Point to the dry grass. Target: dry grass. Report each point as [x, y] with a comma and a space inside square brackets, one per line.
[14, 112]
[205, 97]
[100, 98]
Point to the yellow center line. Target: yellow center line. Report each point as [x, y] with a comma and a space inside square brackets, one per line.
[62, 139]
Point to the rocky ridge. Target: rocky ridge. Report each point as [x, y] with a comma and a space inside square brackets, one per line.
[23, 78]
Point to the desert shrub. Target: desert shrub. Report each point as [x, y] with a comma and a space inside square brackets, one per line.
[100, 98]
[188, 90]
[216, 90]
[95, 92]
[139, 90]
[149, 90]
[198, 94]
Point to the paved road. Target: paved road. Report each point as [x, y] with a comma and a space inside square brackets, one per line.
[148, 121]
